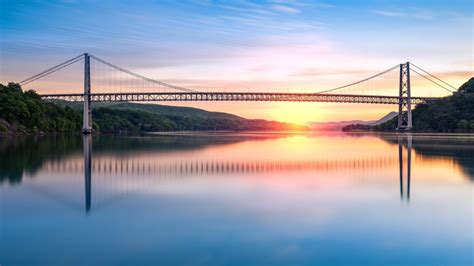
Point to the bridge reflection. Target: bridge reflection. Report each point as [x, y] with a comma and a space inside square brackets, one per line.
[152, 170]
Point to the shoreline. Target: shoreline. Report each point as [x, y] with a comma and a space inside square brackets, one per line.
[248, 132]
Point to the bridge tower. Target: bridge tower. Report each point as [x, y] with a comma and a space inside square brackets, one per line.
[87, 114]
[404, 103]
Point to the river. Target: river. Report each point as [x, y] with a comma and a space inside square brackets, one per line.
[237, 199]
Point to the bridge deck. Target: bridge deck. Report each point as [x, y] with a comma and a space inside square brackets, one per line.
[233, 96]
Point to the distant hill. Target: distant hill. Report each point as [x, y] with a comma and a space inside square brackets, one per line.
[333, 126]
[384, 119]
[154, 117]
[337, 126]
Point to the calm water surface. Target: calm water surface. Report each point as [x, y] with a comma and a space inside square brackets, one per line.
[237, 199]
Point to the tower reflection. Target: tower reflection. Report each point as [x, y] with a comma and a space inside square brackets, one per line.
[405, 139]
[87, 144]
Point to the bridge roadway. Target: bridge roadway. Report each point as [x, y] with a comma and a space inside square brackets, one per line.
[233, 96]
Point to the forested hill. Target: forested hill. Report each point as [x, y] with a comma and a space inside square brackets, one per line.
[25, 112]
[153, 117]
[454, 113]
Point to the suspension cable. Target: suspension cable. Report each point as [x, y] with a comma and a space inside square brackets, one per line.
[142, 77]
[80, 57]
[52, 70]
[360, 81]
[431, 80]
[434, 76]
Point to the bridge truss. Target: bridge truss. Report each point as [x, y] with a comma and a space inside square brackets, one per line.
[234, 96]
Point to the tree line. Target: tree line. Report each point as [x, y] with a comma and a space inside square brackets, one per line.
[25, 112]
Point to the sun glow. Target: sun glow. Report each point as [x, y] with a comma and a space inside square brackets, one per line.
[298, 113]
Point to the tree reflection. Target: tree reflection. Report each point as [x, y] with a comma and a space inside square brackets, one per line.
[26, 155]
[22, 155]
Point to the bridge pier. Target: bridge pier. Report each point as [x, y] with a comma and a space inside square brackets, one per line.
[87, 113]
[404, 101]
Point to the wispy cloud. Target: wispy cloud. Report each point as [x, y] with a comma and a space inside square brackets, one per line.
[323, 5]
[286, 9]
[411, 13]
[302, 3]
[248, 9]
[421, 14]
[315, 72]
[388, 13]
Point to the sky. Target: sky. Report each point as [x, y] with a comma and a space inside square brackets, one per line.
[272, 45]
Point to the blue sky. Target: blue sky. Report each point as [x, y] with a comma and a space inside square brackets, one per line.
[295, 44]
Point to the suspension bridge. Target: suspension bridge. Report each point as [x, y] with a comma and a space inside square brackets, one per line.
[106, 82]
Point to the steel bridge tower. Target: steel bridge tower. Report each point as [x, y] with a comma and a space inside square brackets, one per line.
[404, 103]
[87, 113]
